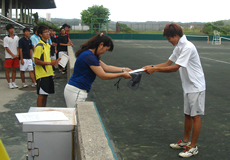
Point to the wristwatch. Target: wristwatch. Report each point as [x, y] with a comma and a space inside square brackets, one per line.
[123, 69]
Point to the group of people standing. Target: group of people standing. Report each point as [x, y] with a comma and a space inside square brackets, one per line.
[19, 52]
[28, 52]
[88, 65]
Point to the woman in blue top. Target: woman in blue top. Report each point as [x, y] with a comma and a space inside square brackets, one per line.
[87, 66]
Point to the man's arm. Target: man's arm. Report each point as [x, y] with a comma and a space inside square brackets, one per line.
[31, 54]
[21, 56]
[67, 44]
[9, 51]
[163, 67]
[42, 63]
[168, 63]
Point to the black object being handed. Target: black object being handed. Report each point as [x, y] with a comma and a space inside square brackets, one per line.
[133, 84]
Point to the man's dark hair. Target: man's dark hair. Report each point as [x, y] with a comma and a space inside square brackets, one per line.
[41, 28]
[68, 26]
[35, 29]
[62, 28]
[50, 28]
[9, 26]
[26, 29]
[65, 25]
[173, 29]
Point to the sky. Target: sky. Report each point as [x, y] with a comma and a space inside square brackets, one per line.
[145, 10]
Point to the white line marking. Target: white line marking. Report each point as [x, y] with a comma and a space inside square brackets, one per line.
[215, 60]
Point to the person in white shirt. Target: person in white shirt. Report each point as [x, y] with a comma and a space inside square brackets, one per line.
[187, 61]
[10, 44]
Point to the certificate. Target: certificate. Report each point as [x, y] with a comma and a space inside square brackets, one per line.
[137, 70]
[64, 60]
[41, 116]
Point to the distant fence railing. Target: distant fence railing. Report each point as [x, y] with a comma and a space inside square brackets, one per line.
[18, 26]
[142, 36]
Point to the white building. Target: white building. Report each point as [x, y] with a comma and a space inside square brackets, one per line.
[80, 27]
[48, 16]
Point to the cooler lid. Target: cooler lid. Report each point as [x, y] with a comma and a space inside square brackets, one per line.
[67, 125]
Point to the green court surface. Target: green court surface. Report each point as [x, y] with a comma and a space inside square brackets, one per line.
[141, 124]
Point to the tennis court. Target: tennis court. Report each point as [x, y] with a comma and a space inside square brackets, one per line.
[141, 124]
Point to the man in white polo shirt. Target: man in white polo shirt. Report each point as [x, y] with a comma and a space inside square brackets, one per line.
[187, 60]
[10, 44]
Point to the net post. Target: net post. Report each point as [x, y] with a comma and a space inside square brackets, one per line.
[208, 39]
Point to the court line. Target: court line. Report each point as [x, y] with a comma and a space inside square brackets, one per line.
[215, 60]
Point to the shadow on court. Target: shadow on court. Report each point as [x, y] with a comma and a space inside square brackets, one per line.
[141, 124]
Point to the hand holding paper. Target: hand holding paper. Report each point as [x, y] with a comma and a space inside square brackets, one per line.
[64, 60]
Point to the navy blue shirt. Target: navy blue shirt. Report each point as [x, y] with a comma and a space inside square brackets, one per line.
[64, 40]
[52, 49]
[25, 45]
[83, 76]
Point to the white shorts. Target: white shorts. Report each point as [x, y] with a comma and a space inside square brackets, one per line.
[28, 65]
[194, 103]
[60, 53]
[53, 57]
[73, 95]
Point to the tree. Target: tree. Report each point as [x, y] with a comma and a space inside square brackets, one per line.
[124, 28]
[94, 12]
[209, 28]
[218, 23]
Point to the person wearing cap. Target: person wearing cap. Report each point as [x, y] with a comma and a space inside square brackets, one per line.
[87, 66]
[186, 59]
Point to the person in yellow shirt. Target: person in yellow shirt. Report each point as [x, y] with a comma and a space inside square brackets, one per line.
[43, 67]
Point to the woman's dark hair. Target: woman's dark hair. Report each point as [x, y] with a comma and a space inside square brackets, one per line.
[173, 29]
[41, 28]
[94, 42]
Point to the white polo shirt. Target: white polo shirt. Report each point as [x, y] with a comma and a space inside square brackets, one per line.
[191, 72]
[12, 44]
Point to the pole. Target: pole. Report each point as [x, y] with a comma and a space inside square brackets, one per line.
[3, 7]
[16, 10]
[21, 12]
[24, 13]
[91, 26]
[10, 7]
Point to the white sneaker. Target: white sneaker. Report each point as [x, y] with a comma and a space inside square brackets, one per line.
[14, 85]
[24, 85]
[10, 85]
[189, 151]
[34, 85]
[180, 144]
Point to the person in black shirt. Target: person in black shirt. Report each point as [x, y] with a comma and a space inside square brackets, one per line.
[63, 42]
[53, 48]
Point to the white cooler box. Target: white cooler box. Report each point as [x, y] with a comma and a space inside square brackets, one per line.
[51, 140]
